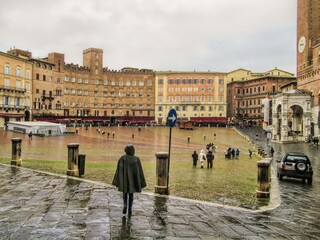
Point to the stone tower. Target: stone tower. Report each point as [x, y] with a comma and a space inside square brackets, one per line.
[308, 56]
[308, 32]
[93, 59]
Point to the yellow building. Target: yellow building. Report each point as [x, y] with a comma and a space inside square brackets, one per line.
[196, 96]
[244, 75]
[15, 88]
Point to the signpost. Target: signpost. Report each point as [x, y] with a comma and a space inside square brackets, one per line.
[172, 120]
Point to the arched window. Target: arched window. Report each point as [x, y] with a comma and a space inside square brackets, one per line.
[18, 72]
[7, 69]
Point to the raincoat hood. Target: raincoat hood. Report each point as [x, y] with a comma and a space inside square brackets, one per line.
[129, 150]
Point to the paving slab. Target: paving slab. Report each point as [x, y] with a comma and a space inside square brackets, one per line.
[37, 205]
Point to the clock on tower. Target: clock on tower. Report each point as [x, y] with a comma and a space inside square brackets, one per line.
[302, 44]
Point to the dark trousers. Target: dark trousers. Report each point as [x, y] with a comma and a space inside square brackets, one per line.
[195, 163]
[209, 164]
[125, 200]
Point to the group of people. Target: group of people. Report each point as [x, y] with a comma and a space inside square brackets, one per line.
[103, 132]
[204, 156]
[232, 153]
[314, 139]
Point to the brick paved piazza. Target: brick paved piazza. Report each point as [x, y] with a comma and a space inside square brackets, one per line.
[148, 141]
[41, 206]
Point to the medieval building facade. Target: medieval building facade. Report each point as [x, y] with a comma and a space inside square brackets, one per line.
[48, 89]
[15, 88]
[250, 94]
[199, 97]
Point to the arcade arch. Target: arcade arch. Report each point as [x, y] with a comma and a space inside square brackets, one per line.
[291, 116]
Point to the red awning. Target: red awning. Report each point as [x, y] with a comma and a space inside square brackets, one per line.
[12, 115]
[208, 119]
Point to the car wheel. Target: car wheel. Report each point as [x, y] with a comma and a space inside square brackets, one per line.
[309, 180]
[301, 166]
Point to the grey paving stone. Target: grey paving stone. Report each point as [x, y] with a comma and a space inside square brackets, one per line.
[42, 206]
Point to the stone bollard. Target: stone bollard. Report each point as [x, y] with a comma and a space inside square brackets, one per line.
[162, 186]
[73, 152]
[16, 152]
[263, 189]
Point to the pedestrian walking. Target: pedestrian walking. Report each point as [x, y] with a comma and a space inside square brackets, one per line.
[204, 137]
[195, 158]
[317, 140]
[202, 158]
[210, 158]
[30, 135]
[250, 153]
[233, 153]
[310, 137]
[271, 151]
[237, 153]
[188, 139]
[129, 177]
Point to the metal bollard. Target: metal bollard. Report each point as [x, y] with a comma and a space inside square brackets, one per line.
[162, 184]
[73, 152]
[81, 163]
[16, 152]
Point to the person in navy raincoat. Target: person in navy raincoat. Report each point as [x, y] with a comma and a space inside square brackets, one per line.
[129, 177]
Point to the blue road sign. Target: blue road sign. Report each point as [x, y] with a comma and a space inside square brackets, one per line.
[172, 117]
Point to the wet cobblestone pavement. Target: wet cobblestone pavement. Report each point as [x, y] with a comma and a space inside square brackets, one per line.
[35, 205]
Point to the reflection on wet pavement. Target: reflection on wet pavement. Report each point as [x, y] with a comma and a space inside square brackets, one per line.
[42, 206]
[125, 231]
[98, 147]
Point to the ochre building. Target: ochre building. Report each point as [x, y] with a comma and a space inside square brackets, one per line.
[250, 94]
[15, 88]
[199, 97]
[48, 89]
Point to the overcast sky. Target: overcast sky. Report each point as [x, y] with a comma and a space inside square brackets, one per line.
[181, 35]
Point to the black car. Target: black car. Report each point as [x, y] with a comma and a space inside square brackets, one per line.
[295, 165]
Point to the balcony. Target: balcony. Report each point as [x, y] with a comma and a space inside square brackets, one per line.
[12, 89]
[238, 96]
[47, 96]
[12, 107]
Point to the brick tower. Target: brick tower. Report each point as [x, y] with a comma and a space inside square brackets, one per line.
[308, 55]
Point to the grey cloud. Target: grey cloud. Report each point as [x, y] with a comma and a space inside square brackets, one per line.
[220, 35]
